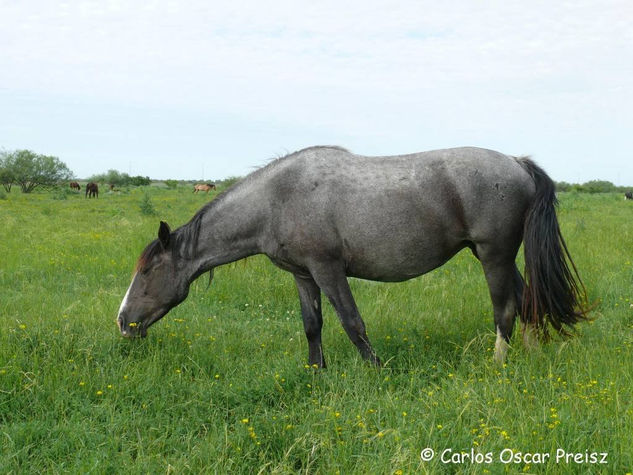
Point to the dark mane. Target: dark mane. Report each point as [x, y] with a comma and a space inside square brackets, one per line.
[152, 250]
[183, 242]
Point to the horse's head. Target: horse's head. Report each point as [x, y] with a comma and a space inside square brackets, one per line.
[158, 285]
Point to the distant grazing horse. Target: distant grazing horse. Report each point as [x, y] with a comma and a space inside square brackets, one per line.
[205, 187]
[325, 214]
[628, 195]
[92, 189]
[75, 186]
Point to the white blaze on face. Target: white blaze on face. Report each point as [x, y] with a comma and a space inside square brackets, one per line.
[124, 302]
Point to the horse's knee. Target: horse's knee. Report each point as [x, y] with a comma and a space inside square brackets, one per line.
[313, 330]
[355, 328]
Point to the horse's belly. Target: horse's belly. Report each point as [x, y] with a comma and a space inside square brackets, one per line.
[393, 260]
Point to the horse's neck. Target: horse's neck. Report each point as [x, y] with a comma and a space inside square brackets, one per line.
[231, 229]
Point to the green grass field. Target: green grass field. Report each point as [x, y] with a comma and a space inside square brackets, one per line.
[220, 384]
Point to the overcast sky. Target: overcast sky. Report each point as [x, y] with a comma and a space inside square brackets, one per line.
[206, 90]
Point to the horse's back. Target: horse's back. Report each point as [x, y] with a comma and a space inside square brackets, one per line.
[466, 166]
[467, 181]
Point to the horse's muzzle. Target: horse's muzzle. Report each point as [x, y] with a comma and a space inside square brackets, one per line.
[131, 329]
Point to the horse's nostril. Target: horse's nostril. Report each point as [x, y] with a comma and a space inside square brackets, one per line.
[122, 323]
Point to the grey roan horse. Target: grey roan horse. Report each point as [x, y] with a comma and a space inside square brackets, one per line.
[324, 214]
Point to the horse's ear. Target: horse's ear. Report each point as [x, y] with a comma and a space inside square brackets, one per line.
[163, 234]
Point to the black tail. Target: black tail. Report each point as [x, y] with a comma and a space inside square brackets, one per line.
[553, 291]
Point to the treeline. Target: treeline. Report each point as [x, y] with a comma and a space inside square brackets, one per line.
[221, 184]
[116, 178]
[593, 186]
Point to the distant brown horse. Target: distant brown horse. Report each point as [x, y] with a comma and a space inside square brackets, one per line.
[92, 189]
[75, 186]
[203, 187]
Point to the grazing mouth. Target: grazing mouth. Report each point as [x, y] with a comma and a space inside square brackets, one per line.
[138, 329]
[134, 330]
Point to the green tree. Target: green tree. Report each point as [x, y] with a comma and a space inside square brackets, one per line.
[140, 180]
[563, 186]
[116, 178]
[6, 173]
[599, 186]
[146, 205]
[111, 177]
[30, 170]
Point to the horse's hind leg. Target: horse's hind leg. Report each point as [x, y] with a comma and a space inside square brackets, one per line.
[505, 285]
[310, 298]
[333, 282]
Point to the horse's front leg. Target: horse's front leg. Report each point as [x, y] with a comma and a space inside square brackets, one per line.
[331, 278]
[310, 299]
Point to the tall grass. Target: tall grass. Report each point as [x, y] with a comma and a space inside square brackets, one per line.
[220, 384]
